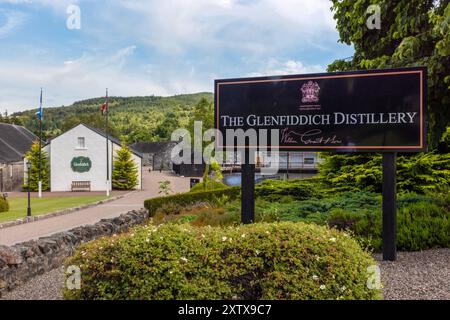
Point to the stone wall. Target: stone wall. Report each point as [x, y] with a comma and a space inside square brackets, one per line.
[25, 260]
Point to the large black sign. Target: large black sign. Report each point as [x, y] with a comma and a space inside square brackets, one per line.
[374, 110]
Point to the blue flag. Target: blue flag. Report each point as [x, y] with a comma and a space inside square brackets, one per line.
[40, 113]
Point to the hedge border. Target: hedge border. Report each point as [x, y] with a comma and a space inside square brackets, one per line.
[188, 198]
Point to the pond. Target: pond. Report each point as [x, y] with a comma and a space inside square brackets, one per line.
[234, 179]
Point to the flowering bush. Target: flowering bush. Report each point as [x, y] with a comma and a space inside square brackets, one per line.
[260, 261]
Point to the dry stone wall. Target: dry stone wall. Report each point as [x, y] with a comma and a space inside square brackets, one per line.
[23, 261]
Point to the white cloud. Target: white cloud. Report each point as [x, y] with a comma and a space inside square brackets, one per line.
[251, 26]
[71, 80]
[274, 67]
[55, 4]
[13, 20]
[143, 47]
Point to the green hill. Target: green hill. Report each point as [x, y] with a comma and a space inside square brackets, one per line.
[148, 118]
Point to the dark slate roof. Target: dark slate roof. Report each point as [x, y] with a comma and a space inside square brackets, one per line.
[153, 147]
[15, 141]
[113, 139]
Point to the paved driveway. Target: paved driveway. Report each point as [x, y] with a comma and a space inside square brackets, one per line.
[132, 200]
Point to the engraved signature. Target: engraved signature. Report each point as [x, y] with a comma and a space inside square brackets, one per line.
[309, 137]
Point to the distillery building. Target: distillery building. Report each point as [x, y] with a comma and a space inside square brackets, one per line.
[78, 160]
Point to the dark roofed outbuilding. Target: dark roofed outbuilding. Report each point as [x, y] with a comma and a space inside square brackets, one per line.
[15, 141]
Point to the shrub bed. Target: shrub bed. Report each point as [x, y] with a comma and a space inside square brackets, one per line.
[189, 198]
[422, 223]
[261, 261]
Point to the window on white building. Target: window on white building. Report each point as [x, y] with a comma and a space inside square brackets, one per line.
[309, 161]
[81, 143]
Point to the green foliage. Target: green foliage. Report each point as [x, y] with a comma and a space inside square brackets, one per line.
[413, 33]
[132, 118]
[286, 209]
[260, 261]
[419, 173]
[274, 190]
[183, 199]
[421, 223]
[208, 185]
[167, 126]
[204, 112]
[444, 143]
[4, 205]
[212, 178]
[164, 187]
[10, 119]
[33, 175]
[125, 172]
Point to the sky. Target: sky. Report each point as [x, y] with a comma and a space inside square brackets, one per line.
[161, 47]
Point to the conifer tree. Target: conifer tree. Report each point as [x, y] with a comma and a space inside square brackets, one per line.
[125, 172]
[33, 175]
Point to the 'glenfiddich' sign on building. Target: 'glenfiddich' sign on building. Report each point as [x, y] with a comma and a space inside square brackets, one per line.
[376, 110]
[81, 164]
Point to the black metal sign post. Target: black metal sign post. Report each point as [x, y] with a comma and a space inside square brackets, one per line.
[247, 188]
[389, 207]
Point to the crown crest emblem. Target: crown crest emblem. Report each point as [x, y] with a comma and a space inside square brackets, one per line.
[310, 92]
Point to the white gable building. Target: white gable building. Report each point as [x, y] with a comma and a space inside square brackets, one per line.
[78, 158]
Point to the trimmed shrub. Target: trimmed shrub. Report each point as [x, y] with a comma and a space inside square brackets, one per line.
[4, 205]
[259, 261]
[296, 189]
[183, 199]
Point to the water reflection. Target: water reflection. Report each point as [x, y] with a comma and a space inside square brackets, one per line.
[234, 179]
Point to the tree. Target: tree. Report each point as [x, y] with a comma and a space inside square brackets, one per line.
[204, 112]
[33, 175]
[444, 143]
[125, 172]
[10, 119]
[134, 119]
[169, 124]
[412, 33]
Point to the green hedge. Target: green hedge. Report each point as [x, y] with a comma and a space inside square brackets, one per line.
[4, 205]
[260, 261]
[296, 189]
[188, 198]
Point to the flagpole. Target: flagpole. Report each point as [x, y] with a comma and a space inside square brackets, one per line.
[40, 146]
[107, 145]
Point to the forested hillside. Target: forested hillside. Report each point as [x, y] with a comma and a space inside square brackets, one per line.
[135, 119]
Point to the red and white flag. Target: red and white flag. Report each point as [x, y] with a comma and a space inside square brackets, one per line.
[104, 107]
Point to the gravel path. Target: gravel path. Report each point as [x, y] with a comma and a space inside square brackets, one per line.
[45, 287]
[415, 275]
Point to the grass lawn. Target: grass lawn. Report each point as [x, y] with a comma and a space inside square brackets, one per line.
[18, 206]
